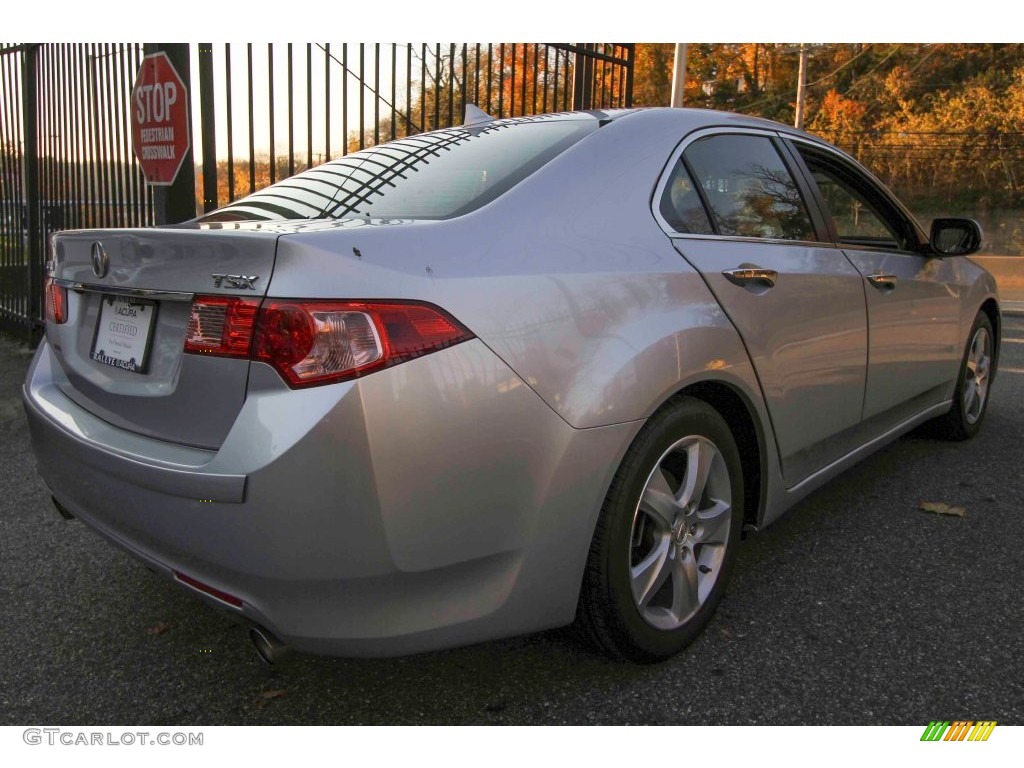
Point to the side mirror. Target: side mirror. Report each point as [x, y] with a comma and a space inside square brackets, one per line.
[955, 237]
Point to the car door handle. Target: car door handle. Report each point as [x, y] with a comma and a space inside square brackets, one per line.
[882, 282]
[751, 276]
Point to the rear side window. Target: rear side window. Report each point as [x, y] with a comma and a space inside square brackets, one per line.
[748, 188]
[435, 175]
[681, 206]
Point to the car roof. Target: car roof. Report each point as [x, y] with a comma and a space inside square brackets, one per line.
[685, 119]
[693, 118]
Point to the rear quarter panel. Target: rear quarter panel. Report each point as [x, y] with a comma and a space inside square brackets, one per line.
[567, 277]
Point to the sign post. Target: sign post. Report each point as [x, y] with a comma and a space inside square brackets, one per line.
[162, 131]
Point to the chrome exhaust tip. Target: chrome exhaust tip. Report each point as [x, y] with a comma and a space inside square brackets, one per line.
[268, 647]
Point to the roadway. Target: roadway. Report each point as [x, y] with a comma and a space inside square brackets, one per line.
[856, 608]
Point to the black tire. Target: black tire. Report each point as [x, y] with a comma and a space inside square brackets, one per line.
[971, 396]
[642, 536]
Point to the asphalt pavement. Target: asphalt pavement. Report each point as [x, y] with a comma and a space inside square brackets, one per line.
[857, 608]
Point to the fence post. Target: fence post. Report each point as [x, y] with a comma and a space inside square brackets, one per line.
[207, 127]
[631, 57]
[578, 77]
[31, 179]
[177, 202]
[583, 77]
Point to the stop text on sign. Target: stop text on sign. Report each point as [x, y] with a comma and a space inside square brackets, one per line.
[153, 103]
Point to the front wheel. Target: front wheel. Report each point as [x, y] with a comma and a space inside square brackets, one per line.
[970, 399]
[666, 537]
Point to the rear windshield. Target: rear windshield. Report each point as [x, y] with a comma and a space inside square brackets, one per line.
[437, 175]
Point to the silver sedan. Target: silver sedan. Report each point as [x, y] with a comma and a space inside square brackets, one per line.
[502, 377]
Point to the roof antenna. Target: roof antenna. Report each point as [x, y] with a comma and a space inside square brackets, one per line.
[475, 116]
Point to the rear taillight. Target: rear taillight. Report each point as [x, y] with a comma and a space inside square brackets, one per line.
[319, 342]
[310, 343]
[221, 326]
[56, 300]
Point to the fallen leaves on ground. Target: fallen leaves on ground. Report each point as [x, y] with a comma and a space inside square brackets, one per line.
[942, 509]
[158, 629]
[266, 696]
[729, 634]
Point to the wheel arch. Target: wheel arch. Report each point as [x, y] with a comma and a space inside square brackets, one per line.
[607, 608]
[739, 413]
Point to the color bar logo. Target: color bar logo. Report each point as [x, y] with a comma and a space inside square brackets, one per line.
[960, 730]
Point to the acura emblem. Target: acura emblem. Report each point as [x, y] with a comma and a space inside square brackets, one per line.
[100, 260]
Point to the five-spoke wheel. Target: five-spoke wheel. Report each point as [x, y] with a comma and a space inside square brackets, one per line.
[680, 531]
[666, 537]
[976, 374]
[974, 381]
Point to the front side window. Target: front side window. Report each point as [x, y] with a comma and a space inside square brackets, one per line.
[861, 214]
[748, 188]
[435, 175]
[855, 218]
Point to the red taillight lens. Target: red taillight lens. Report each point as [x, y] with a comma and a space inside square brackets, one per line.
[286, 335]
[319, 342]
[221, 326]
[416, 329]
[56, 300]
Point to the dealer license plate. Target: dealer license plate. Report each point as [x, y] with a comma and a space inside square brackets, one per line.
[123, 333]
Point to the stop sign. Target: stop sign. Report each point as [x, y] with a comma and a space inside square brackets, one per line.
[160, 130]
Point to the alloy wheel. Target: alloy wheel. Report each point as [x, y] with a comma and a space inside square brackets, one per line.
[976, 375]
[680, 532]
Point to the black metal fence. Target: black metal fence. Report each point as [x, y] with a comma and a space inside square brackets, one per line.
[65, 160]
[274, 110]
[259, 113]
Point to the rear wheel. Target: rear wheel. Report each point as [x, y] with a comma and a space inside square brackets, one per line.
[667, 535]
[970, 400]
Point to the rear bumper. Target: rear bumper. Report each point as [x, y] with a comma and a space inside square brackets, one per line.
[436, 503]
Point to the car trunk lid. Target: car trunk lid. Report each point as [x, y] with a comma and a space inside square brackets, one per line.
[129, 299]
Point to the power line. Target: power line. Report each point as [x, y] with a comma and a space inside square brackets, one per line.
[899, 132]
[841, 67]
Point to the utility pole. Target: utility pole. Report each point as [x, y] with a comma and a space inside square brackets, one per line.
[679, 75]
[801, 88]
